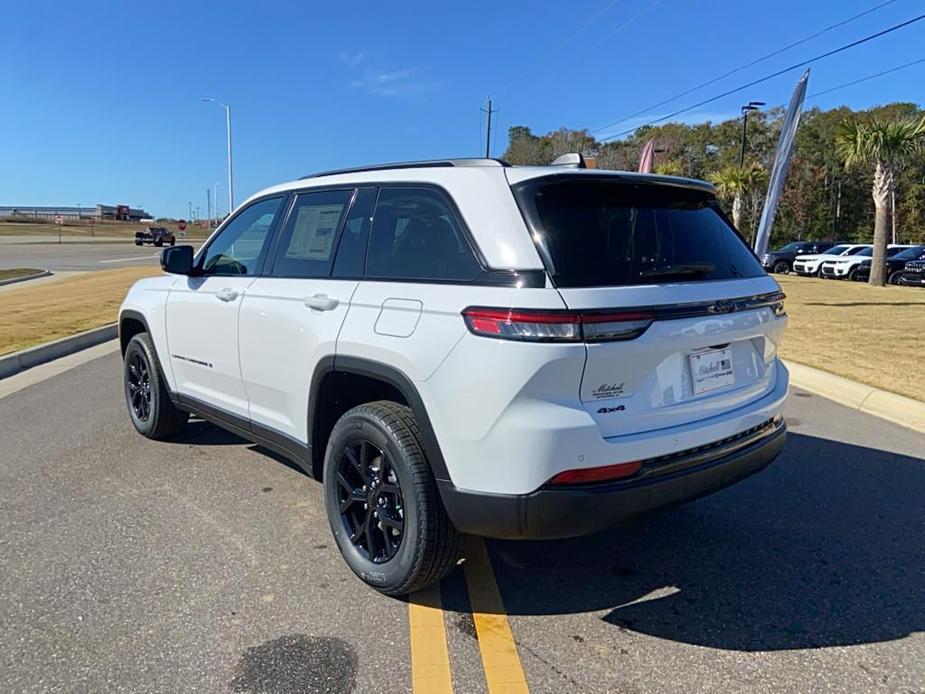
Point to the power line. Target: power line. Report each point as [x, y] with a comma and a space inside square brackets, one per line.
[865, 79]
[802, 63]
[748, 65]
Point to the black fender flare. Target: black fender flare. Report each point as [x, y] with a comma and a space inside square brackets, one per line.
[134, 315]
[393, 377]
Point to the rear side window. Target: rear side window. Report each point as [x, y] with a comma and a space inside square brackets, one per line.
[597, 232]
[417, 236]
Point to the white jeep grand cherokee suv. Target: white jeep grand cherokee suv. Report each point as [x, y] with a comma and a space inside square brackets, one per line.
[465, 346]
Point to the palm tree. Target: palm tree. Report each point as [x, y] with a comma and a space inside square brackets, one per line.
[735, 182]
[886, 144]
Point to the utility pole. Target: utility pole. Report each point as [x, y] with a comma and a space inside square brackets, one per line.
[190, 216]
[488, 111]
[209, 206]
[750, 106]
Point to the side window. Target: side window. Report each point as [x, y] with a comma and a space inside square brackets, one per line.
[306, 245]
[351, 249]
[240, 248]
[416, 236]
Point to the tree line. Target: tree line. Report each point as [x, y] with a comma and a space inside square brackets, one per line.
[840, 167]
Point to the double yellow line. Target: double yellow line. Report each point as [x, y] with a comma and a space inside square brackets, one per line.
[430, 658]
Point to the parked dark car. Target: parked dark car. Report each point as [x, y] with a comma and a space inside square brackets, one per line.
[156, 235]
[895, 264]
[781, 259]
[913, 274]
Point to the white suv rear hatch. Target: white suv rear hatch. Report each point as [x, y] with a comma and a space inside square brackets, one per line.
[680, 320]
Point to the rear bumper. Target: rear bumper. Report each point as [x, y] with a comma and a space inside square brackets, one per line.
[571, 511]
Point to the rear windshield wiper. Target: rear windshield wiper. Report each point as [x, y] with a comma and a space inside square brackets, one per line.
[679, 270]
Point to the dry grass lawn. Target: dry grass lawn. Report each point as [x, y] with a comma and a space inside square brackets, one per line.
[32, 315]
[868, 334]
[874, 335]
[100, 230]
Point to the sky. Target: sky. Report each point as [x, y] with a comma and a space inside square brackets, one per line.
[101, 101]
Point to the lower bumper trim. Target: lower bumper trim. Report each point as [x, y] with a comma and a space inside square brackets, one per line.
[551, 513]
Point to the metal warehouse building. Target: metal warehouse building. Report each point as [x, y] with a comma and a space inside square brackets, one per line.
[123, 212]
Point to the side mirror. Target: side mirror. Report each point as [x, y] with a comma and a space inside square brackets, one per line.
[177, 260]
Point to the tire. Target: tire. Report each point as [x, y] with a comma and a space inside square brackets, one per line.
[852, 274]
[781, 267]
[173, 241]
[895, 278]
[138, 242]
[160, 419]
[385, 434]
[158, 242]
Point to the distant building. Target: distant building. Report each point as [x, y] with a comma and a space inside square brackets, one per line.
[98, 212]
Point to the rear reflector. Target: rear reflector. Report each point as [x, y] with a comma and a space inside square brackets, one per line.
[527, 325]
[596, 474]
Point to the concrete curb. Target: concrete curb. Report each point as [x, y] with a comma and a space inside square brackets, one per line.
[16, 362]
[863, 398]
[26, 278]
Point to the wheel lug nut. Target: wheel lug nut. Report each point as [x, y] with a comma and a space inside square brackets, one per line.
[365, 506]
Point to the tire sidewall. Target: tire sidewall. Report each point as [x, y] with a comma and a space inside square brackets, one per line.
[781, 267]
[391, 574]
[138, 344]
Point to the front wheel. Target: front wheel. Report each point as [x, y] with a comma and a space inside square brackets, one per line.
[853, 274]
[896, 277]
[382, 501]
[149, 406]
[781, 267]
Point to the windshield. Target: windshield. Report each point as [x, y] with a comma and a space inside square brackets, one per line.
[837, 250]
[865, 252]
[606, 232]
[792, 246]
[856, 250]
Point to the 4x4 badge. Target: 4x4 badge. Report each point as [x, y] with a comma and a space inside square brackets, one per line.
[722, 306]
[608, 410]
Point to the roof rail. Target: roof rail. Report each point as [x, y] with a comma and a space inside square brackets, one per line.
[436, 163]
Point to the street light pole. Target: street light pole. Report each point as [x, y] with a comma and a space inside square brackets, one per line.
[750, 106]
[215, 198]
[228, 133]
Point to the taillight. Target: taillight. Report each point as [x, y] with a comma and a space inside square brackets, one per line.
[596, 474]
[528, 325]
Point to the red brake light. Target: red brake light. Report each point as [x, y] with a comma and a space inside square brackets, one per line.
[597, 474]
[529, 325]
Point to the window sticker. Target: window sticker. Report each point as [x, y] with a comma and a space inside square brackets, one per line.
[313, 233]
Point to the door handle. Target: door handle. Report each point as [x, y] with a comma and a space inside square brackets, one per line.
[227, 294]
[321, 302]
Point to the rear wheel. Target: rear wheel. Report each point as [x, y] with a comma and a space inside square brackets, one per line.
[781, 267]
[853, 274]
[382, 501]
[896, 277]
[158, 242]
[149, 406]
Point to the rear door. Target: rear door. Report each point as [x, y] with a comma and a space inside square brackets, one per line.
[291, 317]
[682, 319]
[202, 311]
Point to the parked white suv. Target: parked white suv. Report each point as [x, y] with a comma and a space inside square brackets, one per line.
[468, 347]
[846, 267]
[810, 265]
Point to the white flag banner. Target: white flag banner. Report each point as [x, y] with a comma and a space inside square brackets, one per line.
[788, 133]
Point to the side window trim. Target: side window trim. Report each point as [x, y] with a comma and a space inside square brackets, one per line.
[204, 248]
[354, 201]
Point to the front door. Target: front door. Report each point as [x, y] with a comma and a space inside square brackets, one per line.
[202, 310]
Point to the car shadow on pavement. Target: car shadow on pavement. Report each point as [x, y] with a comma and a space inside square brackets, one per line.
[824, 548]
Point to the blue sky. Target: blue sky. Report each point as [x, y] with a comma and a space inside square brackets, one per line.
[102, 100]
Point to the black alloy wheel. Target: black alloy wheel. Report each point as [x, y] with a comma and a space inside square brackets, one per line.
[895, 277]
[370, 500]
[781, 267]
[138, 383]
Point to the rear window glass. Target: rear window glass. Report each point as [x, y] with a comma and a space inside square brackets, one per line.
[594, 232]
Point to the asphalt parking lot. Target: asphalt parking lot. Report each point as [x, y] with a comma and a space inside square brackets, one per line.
[75, 254]
[206, 564]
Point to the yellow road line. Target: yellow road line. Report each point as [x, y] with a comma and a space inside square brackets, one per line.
[503, 670]
[430, 659]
